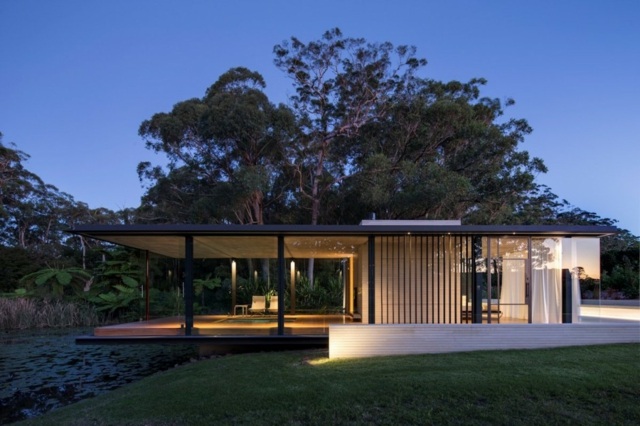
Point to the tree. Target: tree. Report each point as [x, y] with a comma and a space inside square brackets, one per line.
[35, 215]
[442, 152]
[177, 196]
[12, 173]
[19, 190]
[341, 84]
[15, 263]
[225, 146]
[30, 210]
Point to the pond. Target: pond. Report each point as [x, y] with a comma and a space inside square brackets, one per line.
[41, 370]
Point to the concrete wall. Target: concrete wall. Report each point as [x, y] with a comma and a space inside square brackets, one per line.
[351, 341]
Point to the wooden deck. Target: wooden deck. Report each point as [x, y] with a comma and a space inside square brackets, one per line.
[238, 325]
[346, 338]
[226, 325]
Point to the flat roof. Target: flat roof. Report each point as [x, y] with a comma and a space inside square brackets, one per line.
[303, 241]
[98, 231]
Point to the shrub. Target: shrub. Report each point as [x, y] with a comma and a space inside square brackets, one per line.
[624, 279]
[23, 313]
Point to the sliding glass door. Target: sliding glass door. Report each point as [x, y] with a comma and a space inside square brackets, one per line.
[506, 289]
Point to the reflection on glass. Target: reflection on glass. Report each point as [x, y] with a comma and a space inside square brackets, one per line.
[504, 290]
[581, 256]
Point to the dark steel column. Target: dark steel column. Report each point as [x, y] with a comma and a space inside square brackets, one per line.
[188, 284]
[372, 279]
[567, 297]
[281, 285]
[146, 286]
[478, 281]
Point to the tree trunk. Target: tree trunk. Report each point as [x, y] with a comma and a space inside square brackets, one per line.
[315, 205]
[265, 271]
[84, 253]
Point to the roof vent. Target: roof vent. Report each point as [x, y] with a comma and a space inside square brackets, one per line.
[455, 222]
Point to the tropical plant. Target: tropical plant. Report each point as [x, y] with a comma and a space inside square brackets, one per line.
[122, 301]
[165, 303]
[77, 280]
[200, 284]
[117, 289]
[325, 296]
[247, 288]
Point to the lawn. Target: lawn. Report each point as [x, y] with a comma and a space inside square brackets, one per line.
[580, 385]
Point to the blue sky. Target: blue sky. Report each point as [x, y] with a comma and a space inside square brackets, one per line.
[78, 77]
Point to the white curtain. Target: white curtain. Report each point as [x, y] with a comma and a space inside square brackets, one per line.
[546, 282]
[512, 294]
[546, 296]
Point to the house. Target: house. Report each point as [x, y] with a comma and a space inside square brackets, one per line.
[409, 273]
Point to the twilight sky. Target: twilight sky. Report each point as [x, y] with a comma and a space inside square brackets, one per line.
[78, 77]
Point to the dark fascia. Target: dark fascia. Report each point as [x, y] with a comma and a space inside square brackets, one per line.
[99, 231]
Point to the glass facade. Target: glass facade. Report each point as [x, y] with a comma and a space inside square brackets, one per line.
[431, 279]
[404, 273]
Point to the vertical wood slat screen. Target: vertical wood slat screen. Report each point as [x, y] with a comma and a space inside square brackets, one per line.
[420, 279]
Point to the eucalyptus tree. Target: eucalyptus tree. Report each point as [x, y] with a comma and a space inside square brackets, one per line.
[341, 84]
[178, 196]
[445, 152]
[225, 149]
[15, 261]
[34, 215]
[486, 150]
[16, 182]
[88, 251]
[11, 170]
[29, 208]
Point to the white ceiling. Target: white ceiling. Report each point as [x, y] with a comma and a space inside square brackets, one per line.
[251, 247]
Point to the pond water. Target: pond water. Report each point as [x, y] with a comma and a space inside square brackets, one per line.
[41, 370]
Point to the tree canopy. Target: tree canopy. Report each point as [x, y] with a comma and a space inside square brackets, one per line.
[226, 146]
[363, 132]
[341, 85]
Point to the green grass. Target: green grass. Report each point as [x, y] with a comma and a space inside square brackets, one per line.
[581, 385]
